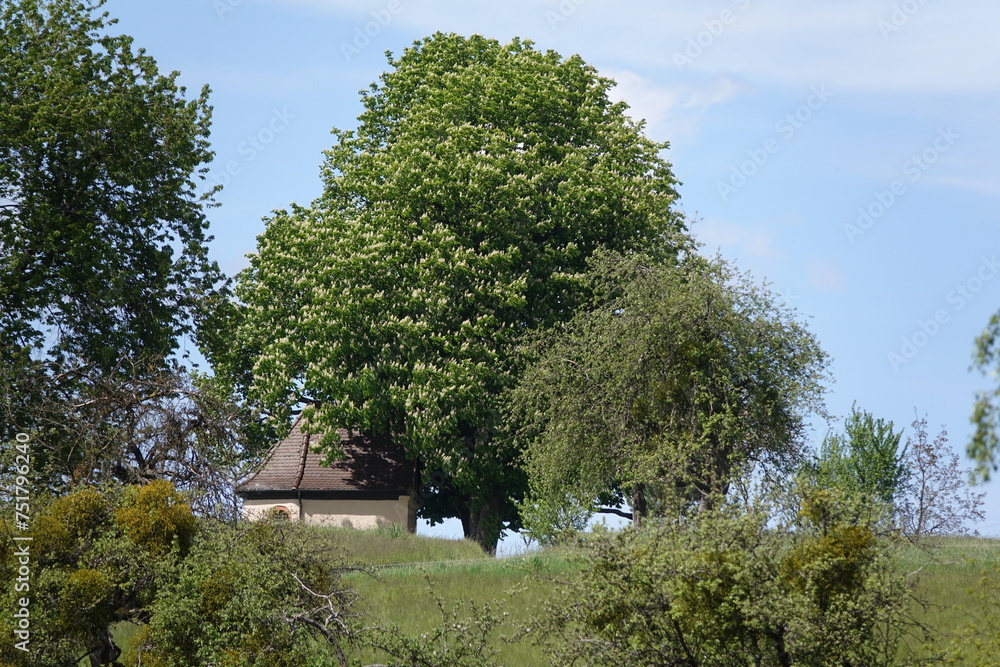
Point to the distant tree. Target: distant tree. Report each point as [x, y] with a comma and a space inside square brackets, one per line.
[456, 218]
[938, 499]
[669, 384]
[984, 448]
[865, 460]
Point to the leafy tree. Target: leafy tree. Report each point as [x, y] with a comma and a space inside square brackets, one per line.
[458, 216]
[102, 231]
[984, 448]
[865, 460]
[103, 258]
[737, 586]
[671, 383]
[938, 500]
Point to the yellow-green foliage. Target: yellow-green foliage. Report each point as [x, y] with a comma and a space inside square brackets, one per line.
[134, 658]
[86, 588]
[154, 514]
[730, 586]
[60, 531]
[832, 564]
[84, 599]
[218, 589]
[835, 555]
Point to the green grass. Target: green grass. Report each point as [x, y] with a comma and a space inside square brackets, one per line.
[408, 597]
[391, 544]
[946, 577]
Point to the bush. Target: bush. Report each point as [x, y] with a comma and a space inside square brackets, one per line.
[96, 561]
[733, 586]
[251, 595]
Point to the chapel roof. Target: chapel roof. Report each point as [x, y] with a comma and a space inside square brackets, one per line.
[372, 466]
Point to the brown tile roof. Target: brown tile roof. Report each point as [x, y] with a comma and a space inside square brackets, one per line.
[371, 467]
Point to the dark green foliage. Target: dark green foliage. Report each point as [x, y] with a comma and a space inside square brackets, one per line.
[102, 234]
[103, 256]
[136, 424]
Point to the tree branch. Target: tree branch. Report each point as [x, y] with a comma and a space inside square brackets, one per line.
[616, 512]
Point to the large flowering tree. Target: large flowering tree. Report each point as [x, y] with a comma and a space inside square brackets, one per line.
[458, 216]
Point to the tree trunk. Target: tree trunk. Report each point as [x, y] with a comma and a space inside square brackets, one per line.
[482, 519]
[103, 650]
[639, 505]
[784, 658]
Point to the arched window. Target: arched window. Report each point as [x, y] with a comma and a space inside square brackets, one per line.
[280, 513]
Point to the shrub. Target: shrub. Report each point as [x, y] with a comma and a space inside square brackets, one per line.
[736, 586]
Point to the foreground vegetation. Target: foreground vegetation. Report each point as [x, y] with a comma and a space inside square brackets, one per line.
[417, 596]
[419, 585]
[725, 587]
[411, 595]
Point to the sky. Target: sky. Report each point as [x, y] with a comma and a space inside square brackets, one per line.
[844, 151]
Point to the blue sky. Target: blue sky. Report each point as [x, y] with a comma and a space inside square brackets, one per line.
[843, 150]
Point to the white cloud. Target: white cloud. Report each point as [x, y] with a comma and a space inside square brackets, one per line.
[826, 276]
[735, 240]
[671, 111]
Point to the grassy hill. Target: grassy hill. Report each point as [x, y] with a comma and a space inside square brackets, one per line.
[946, 573]
[422, 584]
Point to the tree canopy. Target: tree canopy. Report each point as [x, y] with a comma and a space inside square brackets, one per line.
[672, 382]
[102, 231]
[103, 237]
[865, 460]
[457, 216]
